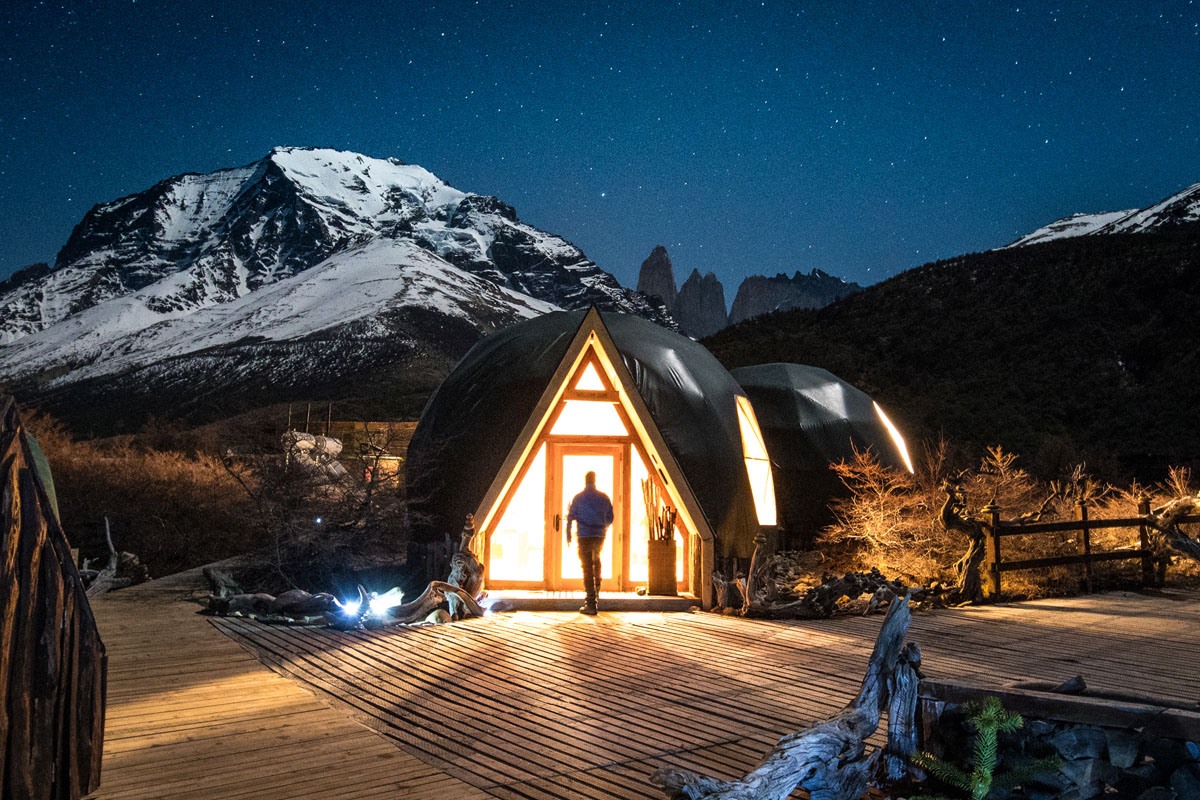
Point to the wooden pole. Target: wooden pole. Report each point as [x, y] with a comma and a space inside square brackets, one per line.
[1081, 507]
[307, 417]
[1143, 508]
[993, 531]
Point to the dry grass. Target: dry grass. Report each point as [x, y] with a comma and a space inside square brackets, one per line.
[890, 520]
[174, 510]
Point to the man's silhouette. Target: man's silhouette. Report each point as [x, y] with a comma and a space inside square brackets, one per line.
[592, 512]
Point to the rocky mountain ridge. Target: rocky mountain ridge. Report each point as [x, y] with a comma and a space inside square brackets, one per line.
[375, 258]
[699, 305]
[1181, 208]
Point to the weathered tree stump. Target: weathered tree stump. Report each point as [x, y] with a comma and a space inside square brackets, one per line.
[466, 571]
[1169, 536]
[953, 516]
[830, 760]
[52, 661]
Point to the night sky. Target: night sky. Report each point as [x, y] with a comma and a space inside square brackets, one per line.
[858, 137]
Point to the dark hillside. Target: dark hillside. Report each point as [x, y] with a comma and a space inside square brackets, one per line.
[1080, 349]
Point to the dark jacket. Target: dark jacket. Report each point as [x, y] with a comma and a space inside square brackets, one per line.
[593, 512]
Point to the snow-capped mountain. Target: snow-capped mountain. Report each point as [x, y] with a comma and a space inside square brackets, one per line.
[1178, 209]
[304, 245]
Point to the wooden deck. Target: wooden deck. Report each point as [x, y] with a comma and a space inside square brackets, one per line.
[552, 704]
[192, 715]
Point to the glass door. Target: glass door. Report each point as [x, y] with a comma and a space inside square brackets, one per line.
[571, 462]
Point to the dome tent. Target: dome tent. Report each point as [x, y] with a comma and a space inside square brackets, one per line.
[499, 428]
[811, 419]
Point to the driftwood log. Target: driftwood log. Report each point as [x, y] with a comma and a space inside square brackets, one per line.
[52, 661]
[121, 570]
[430, 600]
[954, 517]
[466, 571]
[830, 760]
[1165, 520]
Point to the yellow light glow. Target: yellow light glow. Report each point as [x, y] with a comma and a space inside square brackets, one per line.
[758, 464]
[518, 543]
[897, 438]
[589, 380]
[574, 467]
[639, 532]
[589, 418]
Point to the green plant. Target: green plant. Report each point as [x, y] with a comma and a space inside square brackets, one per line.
[989, 719]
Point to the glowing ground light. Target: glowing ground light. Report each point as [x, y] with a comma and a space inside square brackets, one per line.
[380, 604]
[349, 608]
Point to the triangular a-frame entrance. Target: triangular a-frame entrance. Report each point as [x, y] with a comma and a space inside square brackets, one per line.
[591, 369]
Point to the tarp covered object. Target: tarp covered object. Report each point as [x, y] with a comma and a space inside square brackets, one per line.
[810, 418]
[472, 421]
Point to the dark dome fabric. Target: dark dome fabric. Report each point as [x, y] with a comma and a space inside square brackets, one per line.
[810, 418]
[473, 419]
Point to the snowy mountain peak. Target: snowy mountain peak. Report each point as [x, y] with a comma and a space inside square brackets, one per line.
[304, 242]
[1178, 209]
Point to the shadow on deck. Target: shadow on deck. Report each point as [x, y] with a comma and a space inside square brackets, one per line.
[553, 704]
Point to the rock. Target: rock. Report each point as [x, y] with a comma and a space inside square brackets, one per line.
[1124, 747]
[657, 277]
[1076, 743]
[700, 305]
[1038, 729]
[1157, 793]
[1087, 775]
[1186, 781]
[759, 294]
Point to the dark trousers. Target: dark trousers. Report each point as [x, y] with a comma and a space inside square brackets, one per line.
[589, 558]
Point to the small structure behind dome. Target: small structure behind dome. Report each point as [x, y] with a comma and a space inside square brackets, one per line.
[811, 419]
[510, 433]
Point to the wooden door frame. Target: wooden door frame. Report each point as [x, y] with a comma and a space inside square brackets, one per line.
[556, 540]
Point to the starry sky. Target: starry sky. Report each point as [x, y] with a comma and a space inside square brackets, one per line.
[858, 137]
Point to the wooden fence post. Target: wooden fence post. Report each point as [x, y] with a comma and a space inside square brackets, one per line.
[993, 532]
[1143, 508]
[1081, 507]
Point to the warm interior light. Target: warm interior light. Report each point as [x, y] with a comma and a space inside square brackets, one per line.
[897, 438]
[574, 467]
[589, 380]
[758, 463]
[518, 542]
[639, 532]
[589, 418]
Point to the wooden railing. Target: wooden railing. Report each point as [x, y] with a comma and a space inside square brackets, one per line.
[997, 529]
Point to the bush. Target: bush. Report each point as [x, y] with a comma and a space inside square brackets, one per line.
[891, 519]
[171, 509]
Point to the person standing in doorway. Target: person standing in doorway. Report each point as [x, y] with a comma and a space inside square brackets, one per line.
[592, 512]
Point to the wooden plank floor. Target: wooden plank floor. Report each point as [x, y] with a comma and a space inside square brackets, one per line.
[551, 704]
[192, 715]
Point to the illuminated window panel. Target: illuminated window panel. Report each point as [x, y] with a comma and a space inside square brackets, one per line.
[639, 530]
[897, 438]
[758, 464]
[589, 380]
[589, 418]
[518, 542]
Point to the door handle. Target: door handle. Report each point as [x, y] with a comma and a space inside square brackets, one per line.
[557, 523]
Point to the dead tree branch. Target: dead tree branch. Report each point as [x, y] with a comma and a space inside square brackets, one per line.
[830, 760]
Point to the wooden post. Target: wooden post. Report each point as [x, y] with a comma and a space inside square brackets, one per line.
[993, 531]
[1081, 507]
[1143, 509]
